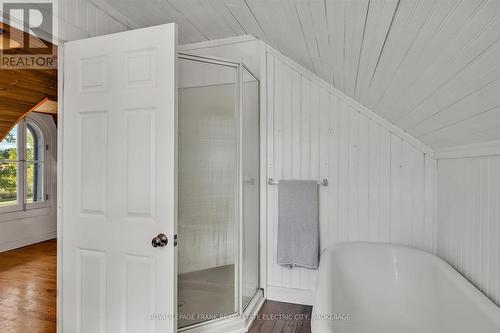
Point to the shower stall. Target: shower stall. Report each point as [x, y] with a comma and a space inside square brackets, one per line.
[218, 190]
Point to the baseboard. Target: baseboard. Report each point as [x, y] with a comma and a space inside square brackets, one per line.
[228, 325]
[290, 295]
[7, 246]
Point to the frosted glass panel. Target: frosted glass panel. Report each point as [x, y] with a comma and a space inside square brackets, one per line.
[207, 191]
[250, 170]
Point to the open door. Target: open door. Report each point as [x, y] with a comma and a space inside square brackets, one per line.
[119, 182]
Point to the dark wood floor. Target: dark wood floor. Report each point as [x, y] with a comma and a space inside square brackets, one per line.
[28, 289]
[277, 317]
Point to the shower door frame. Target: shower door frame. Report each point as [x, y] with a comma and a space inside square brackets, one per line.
[241, 68]
[258, 297]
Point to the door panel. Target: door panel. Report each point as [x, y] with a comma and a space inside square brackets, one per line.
[119, 182]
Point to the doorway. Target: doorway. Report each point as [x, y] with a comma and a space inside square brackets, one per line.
[28, 189]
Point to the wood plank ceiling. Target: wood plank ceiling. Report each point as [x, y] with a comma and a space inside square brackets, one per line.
[431, 67]
[23, 89]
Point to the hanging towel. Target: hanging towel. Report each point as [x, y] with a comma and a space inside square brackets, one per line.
[298, 229]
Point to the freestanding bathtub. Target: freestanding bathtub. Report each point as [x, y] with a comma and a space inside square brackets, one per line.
[385, 288]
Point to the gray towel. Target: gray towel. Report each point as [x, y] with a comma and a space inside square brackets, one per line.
[298, 230]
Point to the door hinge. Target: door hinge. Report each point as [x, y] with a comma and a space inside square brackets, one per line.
[46, 197]
[175, 240]
[47, 147]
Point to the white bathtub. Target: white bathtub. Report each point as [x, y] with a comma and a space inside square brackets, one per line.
[386, 288]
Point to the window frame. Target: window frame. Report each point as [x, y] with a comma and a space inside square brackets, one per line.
[19, 205]
[22, 204]
[43, 203]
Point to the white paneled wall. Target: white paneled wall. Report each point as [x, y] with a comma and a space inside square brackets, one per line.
[381, 182]
[468, 211]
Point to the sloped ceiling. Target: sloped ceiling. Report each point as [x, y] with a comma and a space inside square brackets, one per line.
[23, 89]
[430, 67]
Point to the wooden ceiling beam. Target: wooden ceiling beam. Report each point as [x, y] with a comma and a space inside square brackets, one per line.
[21, 116]
[49, 107]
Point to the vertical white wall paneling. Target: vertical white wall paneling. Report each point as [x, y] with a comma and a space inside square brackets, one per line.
[468, 232]
[430, 203]
[246, 49]
[380, 184]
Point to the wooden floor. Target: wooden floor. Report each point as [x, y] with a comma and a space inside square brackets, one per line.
[277, 317]
[28, 296]
[28, 289]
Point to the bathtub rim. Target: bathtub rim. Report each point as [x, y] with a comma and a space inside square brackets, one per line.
[485, 304]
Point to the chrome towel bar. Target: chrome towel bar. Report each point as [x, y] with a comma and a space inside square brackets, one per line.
[323, 182]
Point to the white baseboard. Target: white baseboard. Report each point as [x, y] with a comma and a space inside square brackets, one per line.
[228, 325]
[7, 246]
[290, 295]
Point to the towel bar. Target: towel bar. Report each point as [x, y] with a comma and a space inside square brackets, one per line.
[323, 182]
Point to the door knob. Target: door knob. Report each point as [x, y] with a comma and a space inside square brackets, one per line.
[160, 241]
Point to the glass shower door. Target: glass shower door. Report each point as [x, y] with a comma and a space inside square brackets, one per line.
[218, 182]
[208, 197]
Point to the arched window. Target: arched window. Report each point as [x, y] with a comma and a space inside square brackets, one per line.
[22, 168]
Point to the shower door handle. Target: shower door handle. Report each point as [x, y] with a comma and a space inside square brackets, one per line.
[160, 241]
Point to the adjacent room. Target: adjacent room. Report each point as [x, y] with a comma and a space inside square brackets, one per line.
[262, 166]
[28, 189]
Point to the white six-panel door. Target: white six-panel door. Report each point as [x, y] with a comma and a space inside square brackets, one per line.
[119, 182]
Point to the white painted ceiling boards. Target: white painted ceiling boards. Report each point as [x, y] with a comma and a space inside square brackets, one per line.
[431, 67]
